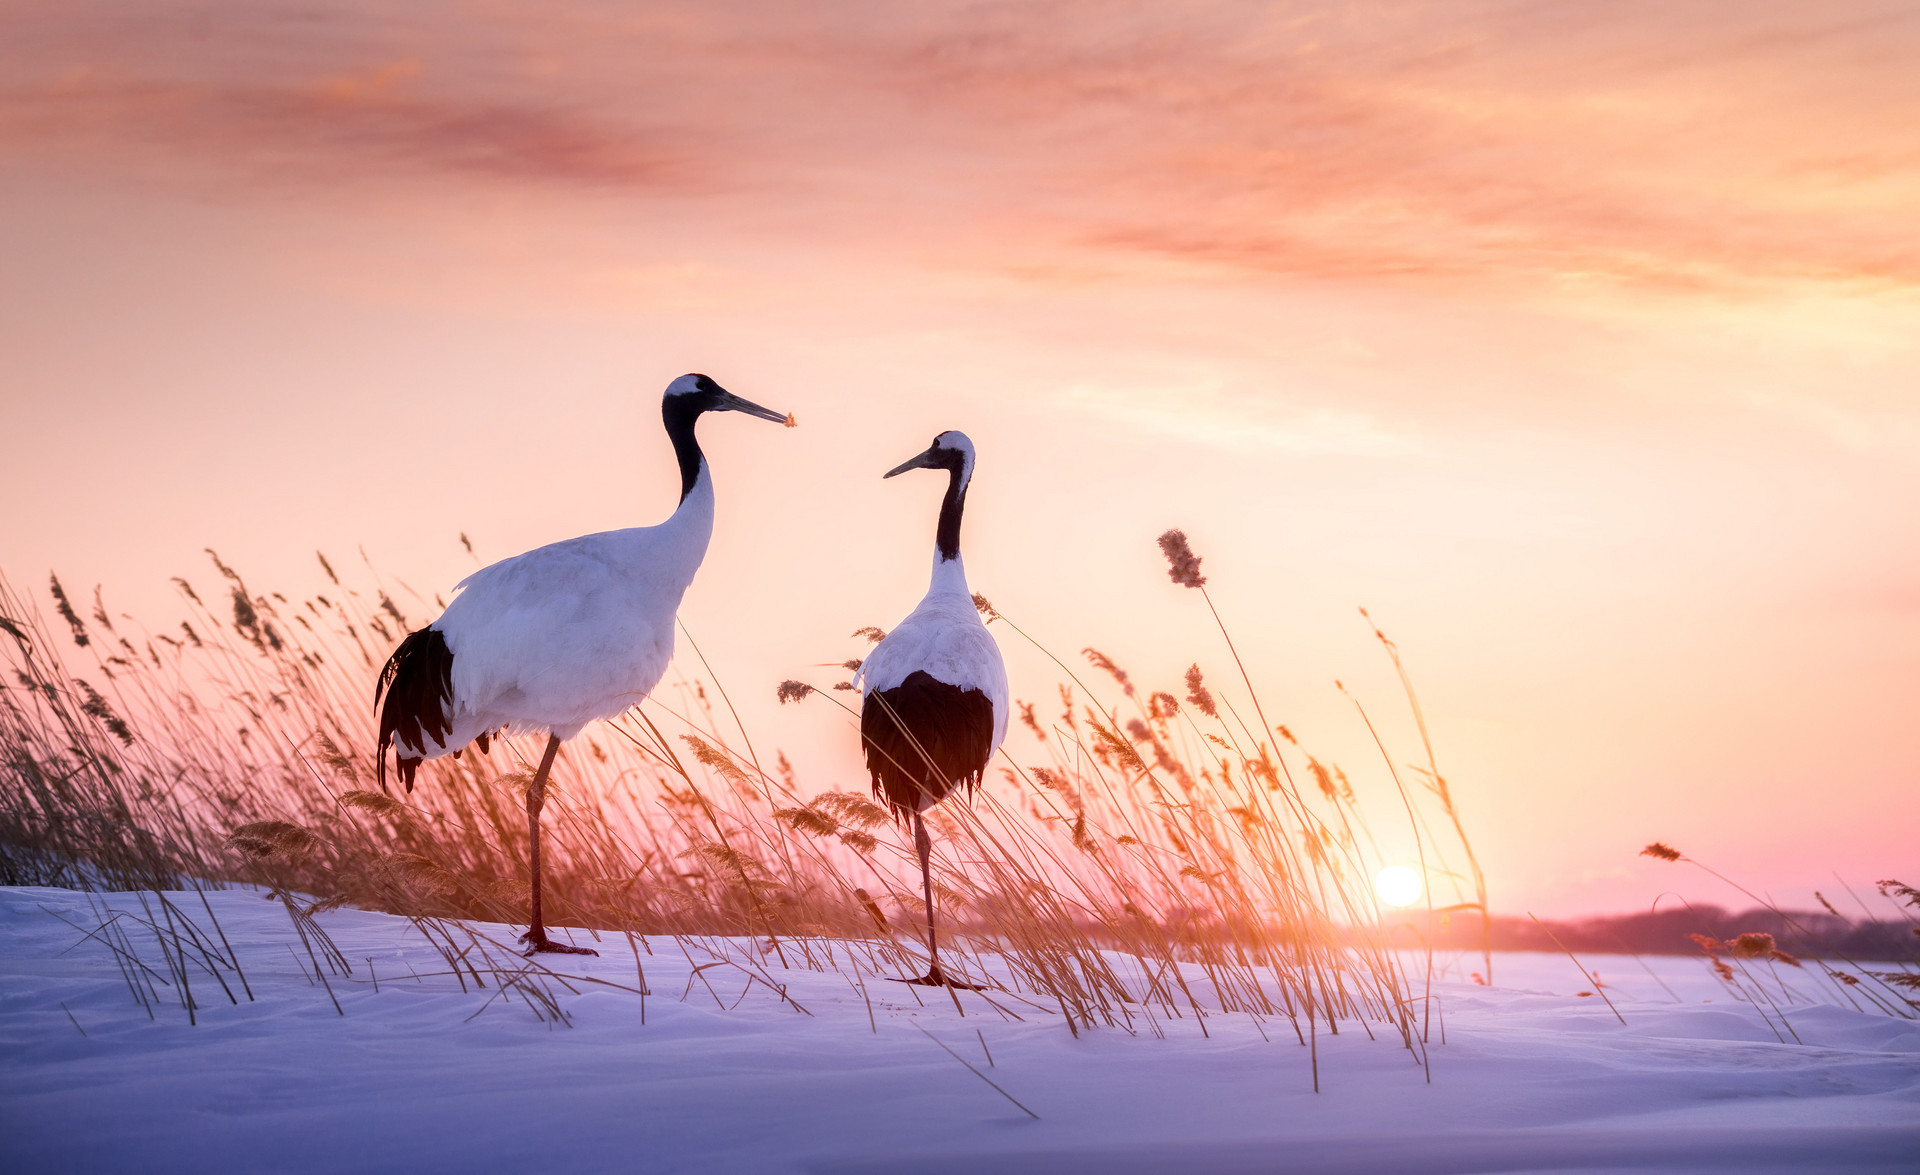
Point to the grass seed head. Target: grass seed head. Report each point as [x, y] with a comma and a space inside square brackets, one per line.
[1323, 777]
[1899, 890]
[848, 808]
[808, 820]
[97, 706]
[422, 873]
[873, 909]
[1101, 661]
[378, 803]
[718, 760]
[67, 613]
[1198, 694]
[264, 838]
[1183, 565]
[729, 858]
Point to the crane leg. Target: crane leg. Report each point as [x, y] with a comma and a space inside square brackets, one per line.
[536, 935]
[935, 977]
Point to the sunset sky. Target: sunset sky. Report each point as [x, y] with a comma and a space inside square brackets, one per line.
[1578, 343]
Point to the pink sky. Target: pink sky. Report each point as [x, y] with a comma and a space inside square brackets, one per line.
[1580, 345]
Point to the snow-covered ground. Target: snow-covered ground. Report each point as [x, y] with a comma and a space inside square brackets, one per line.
[419, 1076]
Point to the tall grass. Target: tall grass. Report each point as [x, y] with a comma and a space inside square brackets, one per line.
[1137, 841]
[1740, 962]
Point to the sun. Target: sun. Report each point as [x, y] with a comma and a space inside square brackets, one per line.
[1397, 885]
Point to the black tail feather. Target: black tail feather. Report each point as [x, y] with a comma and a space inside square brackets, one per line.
[923, 739]
[418, 684]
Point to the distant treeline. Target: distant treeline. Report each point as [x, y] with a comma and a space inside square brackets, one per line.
[1809, 934]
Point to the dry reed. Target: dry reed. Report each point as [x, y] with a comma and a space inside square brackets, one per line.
[1143, 862]
[1756, 957]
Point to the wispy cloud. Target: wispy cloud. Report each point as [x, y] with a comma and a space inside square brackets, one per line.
[1205, 413]
[1683, 146]
[341, 126]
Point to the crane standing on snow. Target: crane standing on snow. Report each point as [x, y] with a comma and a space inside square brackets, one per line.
[934, 692]
[557, 637]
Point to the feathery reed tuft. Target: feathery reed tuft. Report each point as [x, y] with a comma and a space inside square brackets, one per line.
[1198, 694]
[1183, 565]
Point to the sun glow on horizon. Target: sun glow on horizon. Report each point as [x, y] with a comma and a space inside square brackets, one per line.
[1397, 885]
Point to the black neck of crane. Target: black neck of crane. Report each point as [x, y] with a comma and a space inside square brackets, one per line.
[680, 413]
[946, 539]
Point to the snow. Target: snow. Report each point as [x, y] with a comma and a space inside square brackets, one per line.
[420, 1076]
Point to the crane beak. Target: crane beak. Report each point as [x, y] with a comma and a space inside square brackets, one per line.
[923, 461]
[732, 403]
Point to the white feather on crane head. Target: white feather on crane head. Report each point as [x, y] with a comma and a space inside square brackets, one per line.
[955, 441]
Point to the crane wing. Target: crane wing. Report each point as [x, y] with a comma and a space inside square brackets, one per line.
[945, 639]
[565, 633]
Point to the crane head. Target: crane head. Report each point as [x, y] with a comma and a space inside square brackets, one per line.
[950, 450]
[709, 396]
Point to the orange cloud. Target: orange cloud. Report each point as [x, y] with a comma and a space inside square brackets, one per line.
[1681, 146]
[371, 84]
[340, 129]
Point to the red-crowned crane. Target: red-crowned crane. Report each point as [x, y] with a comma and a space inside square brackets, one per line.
[934, 692]
[551, 640]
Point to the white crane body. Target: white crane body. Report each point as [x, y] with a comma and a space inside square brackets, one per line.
[934, 699]
[944, 638]
[571, 632]
[550, 640]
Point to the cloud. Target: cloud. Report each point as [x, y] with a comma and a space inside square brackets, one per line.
[1205, 413]
[343, 125]
[1682, 146]
[1665, 146]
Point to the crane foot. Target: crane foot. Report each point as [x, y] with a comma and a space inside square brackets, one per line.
[935, 977]
[540, 944]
